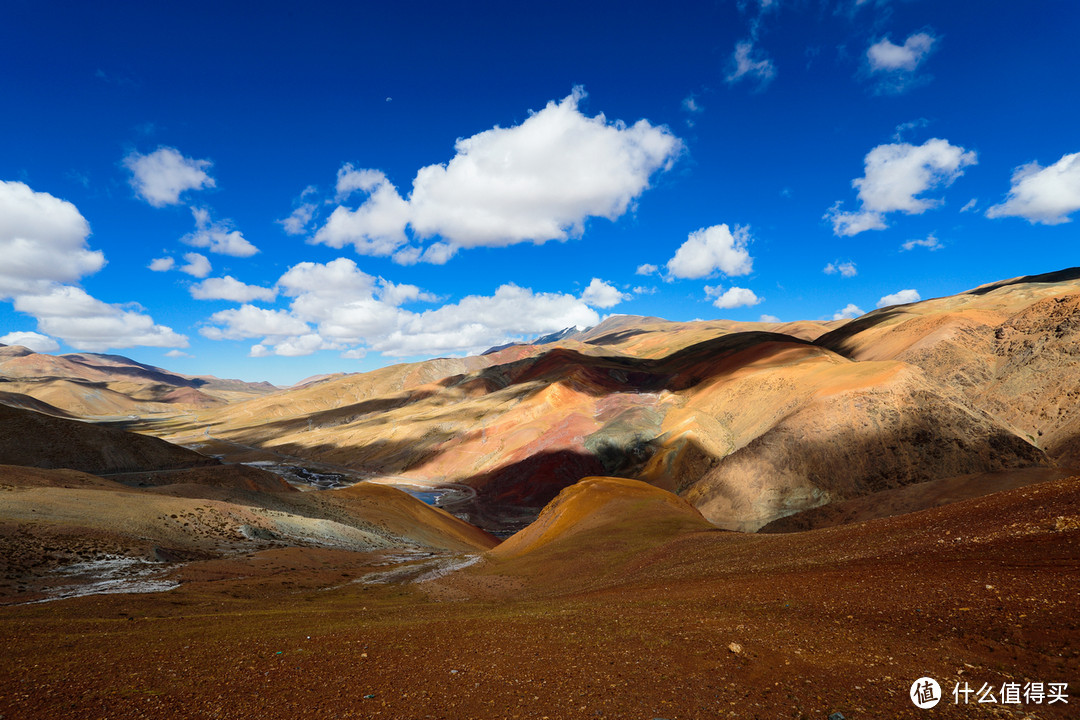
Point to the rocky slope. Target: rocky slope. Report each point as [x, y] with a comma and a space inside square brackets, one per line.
[33, 439]
[749, 422]
[97, 385]
[1012, 348]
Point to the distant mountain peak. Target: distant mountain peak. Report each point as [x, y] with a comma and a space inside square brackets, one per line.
[541, 340]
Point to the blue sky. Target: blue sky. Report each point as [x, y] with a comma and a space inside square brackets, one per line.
[321, 187]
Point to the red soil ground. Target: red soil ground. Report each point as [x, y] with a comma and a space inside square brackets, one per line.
[618, 621]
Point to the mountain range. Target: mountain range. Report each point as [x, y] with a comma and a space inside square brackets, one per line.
[655, 512]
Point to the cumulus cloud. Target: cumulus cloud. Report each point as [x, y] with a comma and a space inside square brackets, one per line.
[350, 179]
[478, 322]
[43, 246]
[86, 323]
[712, 249]
[899, 297]
[733, 297]
[848, 312]
[163, 175]
[376, 227]
[197, 265]
[42, 241]
[646, 269]
[161, 264]
[930, 243]
[884, 56]
[299, 220]
[533, 182]
[350, 310]
[845, 269]
[1043, 195]
[893, 67]
[248, 321]
[32, 340]
[769, 319]
[178, 354]
[218, 237]
[895, 176]
[748, 64]
[603, 294]
[229, 288]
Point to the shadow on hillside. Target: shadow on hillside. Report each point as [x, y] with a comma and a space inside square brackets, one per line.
[836, 340]
[603, 375]
[1052, 277]
[613, 338]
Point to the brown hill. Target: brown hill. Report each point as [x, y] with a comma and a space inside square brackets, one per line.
[706, 624]
[1011, 348]
[97, 385]
[613, 512]
[749, 426]
[36, 440]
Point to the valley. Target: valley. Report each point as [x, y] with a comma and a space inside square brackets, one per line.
[643, 519]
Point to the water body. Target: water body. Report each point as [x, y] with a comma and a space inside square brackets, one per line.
[307, 479]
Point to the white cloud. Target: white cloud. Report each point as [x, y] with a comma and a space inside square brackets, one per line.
[398, 294]
[43, 246]
[163, 175]
[603, 294]
[846, 269]
[691, 105]
[711, 249]
[853, 223]
[338, 306]
[376, 227]
[229, 288]
[930, 243]
[1043, 195]
[197, 265]
[903, 128]
[732, 297]
[161, 264]
[248, 321]
[893, 67]
[478, 322]
[86, 323]
[303, 345]
[644, 290]
[35, 341]
[850, 311]
[42, 241]
[439, 253]
[646, 269]
[178, 354]
[337, 281]
[349, 180]
[746, 64]
[895, 175]
[970, 205]
[899, 297]
[768, 319]
[298, 221]
[885, 56]
[533, 182]
[218, 237]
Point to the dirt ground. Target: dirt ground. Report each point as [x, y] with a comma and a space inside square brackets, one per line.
[705, 625]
